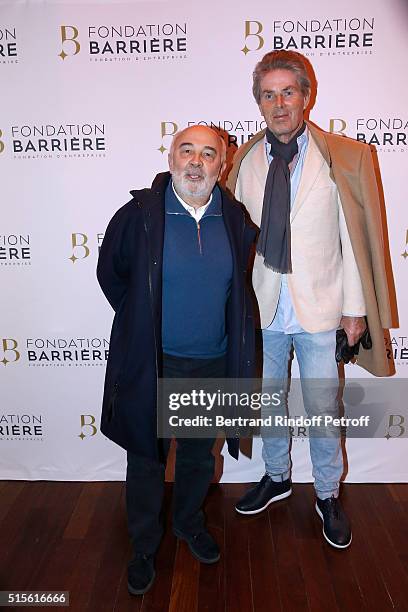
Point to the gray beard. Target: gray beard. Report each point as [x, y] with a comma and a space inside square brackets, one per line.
[182, 187]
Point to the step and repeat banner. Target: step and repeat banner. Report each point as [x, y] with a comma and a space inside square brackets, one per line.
[91, 94]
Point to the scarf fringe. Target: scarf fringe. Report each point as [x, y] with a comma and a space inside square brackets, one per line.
[270, 267]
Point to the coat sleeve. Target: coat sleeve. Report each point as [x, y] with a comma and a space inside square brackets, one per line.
[372, 208]
[353, 296]
[114, 257]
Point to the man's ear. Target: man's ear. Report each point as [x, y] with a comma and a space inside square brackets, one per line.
[306, 100]
[170, 161]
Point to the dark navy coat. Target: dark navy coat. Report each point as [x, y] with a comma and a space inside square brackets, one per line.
[130, 274]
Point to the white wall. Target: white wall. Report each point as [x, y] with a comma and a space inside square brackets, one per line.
[132, 103]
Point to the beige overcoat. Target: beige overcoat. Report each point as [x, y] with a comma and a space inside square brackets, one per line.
[333, 162]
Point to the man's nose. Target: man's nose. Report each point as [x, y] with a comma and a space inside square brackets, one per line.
[196, 159]
[279, 100]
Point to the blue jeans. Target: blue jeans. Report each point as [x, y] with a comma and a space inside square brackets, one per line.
[316, 358]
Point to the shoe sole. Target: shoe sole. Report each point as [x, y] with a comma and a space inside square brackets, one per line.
[134, 591]
[201, 559]
[319, 512]
[271, 501]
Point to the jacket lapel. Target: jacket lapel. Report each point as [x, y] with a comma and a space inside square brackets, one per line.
[310, 171]
[320, 140]
[260, 163]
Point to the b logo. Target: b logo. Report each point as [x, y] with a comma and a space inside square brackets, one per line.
[253, 29]
[87, 423]
[340, 130]
[1, 143]
[168, 128]
[69, 34]
[395, 428]
[10, 348]
[79, 242]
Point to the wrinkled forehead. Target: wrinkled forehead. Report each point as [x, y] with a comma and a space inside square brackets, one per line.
[279, 78]
[199, 136]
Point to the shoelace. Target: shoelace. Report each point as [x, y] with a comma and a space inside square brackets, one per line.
[334, 508]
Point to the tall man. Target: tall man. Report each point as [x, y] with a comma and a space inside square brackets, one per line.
[319, 266]
[172, 266]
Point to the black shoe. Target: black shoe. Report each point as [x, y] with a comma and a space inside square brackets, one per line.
[202, 546]
[141, 574]
[264, 493]
[336, 526]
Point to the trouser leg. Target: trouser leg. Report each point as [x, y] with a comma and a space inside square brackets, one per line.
[319, 375]
[193, 475]
[276, 441]
[194, 460]
[144, 497]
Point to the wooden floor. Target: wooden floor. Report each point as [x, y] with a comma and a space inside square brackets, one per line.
[72, 537]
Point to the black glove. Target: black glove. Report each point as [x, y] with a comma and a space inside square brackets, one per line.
[345, 352]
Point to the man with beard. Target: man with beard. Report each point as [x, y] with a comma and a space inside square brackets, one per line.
[319, 265]
[172, 265]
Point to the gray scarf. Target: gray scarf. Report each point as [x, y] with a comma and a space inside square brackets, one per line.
[274, 238]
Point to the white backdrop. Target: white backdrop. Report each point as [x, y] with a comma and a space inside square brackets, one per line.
[90, 95]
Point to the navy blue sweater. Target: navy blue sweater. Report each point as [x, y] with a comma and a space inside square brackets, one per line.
[197, 274]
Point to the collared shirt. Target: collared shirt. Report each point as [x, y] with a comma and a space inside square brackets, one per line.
[196, 213]
[285, 319]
